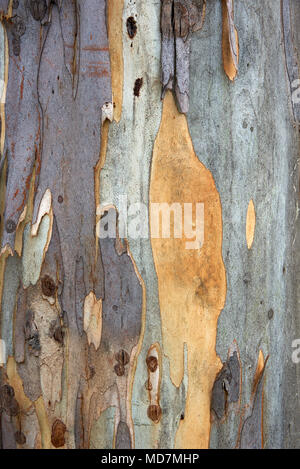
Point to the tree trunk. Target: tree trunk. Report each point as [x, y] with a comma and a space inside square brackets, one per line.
[116, 333]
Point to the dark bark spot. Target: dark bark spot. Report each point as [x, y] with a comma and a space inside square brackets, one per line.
[10, 226]
[122, 357]
[58, 434]
[48, 286]
[154, 413]
[119, 370]
[152, 363]
[226, 387]
[19, 27]
[34, 343]
[14, 408]
[131, 27]
[20, 438]
[32, 334]
[58, 335]
[6, 393]
[137, 86]
[270, 313]
[8, 401]
[16, 43]
[56, 331]
[38, 9]
[60, 199]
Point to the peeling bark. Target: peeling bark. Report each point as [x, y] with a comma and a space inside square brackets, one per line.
[179, 18]
[230, 42]
[227, 386]
[251, 436]
[116, 341]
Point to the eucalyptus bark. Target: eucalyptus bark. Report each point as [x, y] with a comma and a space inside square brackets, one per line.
[135, 341]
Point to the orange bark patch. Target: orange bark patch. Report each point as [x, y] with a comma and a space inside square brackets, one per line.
[192, 283]
[250, 224]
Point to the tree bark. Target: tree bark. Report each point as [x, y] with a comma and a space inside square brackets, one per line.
[109, 107]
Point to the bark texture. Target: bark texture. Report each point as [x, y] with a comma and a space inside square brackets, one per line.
[139, 342]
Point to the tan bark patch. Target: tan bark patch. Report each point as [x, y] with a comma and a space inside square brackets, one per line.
[15, 381]
[44, 423]
[192, 283]
[92, 323]
[250, 224]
